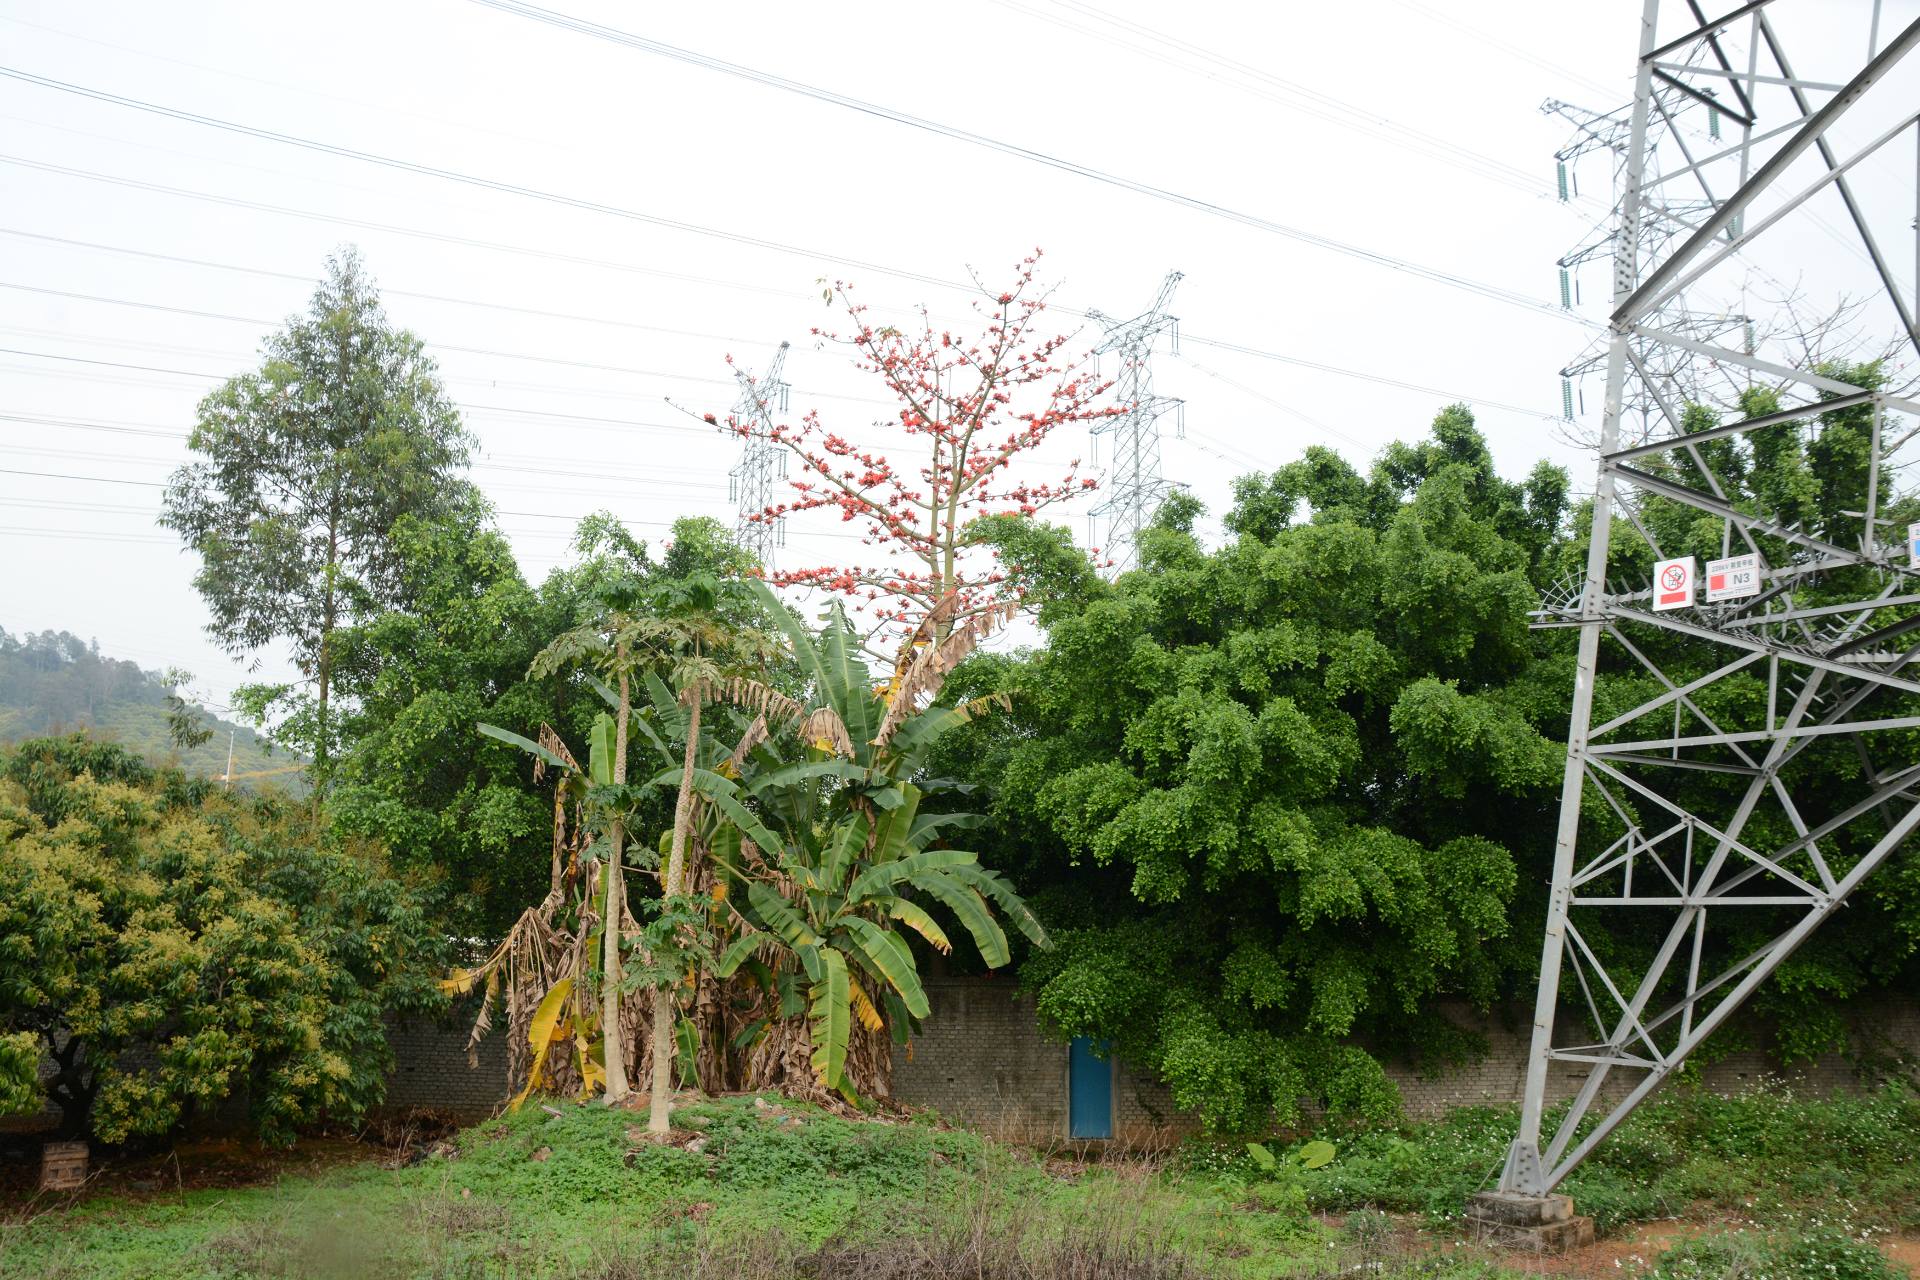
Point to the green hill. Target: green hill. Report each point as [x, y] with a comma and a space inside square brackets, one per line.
[54, 682]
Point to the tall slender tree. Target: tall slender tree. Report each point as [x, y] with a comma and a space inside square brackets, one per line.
[303, 467]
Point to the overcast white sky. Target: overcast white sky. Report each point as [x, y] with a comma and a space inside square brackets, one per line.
[1406, 127]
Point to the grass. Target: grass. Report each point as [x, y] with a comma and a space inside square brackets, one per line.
[763, 1190]
[1768, 1155]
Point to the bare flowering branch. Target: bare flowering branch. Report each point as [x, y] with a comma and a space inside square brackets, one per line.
[969, 407]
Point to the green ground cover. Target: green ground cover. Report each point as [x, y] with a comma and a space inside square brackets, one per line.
[764, 1190]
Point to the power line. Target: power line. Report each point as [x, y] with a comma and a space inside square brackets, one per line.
[1368, 377]
[420, 169]
[1483, 36]
[692, 58]
[493, 246]
[1494, 292]
[538, 515]
[385, 291]
[1217, 343]
[1319, 105]
[388, 228]
[441, 346]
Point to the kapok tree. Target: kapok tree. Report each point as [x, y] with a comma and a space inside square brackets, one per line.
[969, 408]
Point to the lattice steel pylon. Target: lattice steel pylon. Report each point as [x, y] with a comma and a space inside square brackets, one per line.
[750, 483]
[1134, 483]
[1827, 630]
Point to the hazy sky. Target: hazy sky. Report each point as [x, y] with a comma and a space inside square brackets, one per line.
[1405, 128]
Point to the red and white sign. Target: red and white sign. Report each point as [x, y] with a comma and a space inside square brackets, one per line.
[1673, 582]
[1734, 577]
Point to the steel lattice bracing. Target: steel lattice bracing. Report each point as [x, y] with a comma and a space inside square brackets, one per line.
[761, 461]
[1816, 138]
[1134, 483]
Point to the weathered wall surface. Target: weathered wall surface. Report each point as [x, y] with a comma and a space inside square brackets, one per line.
[431, 1070]
[986, 1061]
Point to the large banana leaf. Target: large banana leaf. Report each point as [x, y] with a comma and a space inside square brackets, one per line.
[606, 691]
[928, 825]
[527, 745]
[895, 827]
[972, 911]
[807, 771]
[879, 879]
[915, 917]
[806, 646]
[600, 747]
[849, 688]
[1012, 905]
[846, 843]
[736, 953]
[830, 1018]
[914, 737]
[888, 954]
[725, 796]
[540, 1034]
[778, 915]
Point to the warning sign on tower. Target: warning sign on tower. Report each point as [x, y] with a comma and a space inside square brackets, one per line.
[1673, 583]
[1734, 577]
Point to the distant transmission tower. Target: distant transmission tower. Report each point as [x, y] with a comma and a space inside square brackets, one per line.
[1802, 642]
[1135, 487]
[750, 483]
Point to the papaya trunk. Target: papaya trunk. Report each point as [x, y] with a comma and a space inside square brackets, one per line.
[662, 1081]
[616, 910]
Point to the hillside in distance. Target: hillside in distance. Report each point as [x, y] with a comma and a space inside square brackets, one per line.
[53, 682]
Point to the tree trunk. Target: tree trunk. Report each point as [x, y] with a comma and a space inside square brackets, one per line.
[329, 610]
[616, 1062]
[662, 1081]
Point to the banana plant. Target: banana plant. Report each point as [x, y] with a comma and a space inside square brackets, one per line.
[829, 858]
[542, 968]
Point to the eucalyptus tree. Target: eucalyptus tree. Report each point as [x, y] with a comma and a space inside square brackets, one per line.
[302, 469]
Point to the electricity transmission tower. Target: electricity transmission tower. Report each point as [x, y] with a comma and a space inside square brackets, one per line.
[1135, 486]
[1805, 639]
[750, 483]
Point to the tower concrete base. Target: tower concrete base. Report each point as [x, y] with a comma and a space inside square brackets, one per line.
[1537, 1224]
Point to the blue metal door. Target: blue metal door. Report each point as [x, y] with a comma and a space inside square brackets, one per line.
[1089, 1089]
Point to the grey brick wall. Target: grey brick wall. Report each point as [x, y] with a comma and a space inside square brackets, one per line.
[985, 1061]
[431, 1069]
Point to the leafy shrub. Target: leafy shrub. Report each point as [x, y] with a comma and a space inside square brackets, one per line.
[166, 944]
[1815, 1253]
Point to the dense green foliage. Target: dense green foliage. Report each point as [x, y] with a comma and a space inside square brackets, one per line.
[303, 468]
[415, 680]
[172, 946]
[1272, 796]
[53, 682]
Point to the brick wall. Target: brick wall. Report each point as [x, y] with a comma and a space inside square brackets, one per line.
[985, 1061]
[431, 1069]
